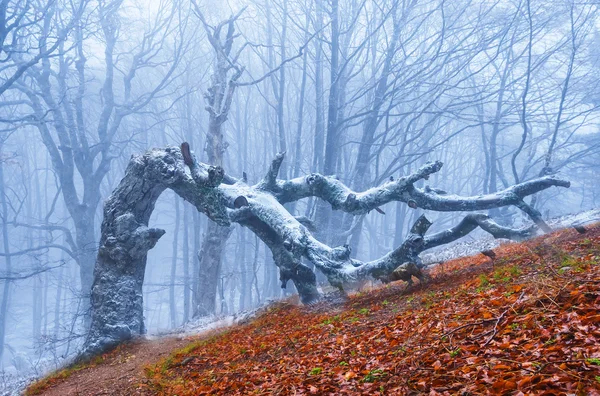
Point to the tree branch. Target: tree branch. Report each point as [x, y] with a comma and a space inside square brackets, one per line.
[50, 227]
[343, 198]
[270, 180]
[470, 223]
[11, 277]
[405, 257]
[38, 248]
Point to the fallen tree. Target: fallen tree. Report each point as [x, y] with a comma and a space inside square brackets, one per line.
[117, 307]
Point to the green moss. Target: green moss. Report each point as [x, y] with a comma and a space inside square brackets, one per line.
[595, 361]
[484, 281]
[374, 375]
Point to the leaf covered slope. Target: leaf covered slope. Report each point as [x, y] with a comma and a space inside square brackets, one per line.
[524, 323]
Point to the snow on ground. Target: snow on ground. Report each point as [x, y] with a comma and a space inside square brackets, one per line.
[13, 381]
[583, 218]
[206, 323]
[12, 384]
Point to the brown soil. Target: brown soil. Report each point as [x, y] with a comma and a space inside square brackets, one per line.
[122, 370]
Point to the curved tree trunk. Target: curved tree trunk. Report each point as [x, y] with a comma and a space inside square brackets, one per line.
[117, 305]
[117, 309]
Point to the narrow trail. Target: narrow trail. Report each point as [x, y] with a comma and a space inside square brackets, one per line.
[122, 370]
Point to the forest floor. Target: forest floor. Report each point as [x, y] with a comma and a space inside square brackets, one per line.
[525, 323]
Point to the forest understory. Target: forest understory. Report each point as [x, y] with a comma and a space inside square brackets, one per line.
[525, 322]
[165, 164]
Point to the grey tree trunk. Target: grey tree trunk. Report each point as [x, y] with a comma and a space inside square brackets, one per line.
[255, 268]
[219, 97]
[196, 259]
[319, 140]
[211, 255]
[332, 140]
[4, 303]
[173, 278]
[245, 286]
[59, 288]
[117, 306]
[332, 146]
[186, 264]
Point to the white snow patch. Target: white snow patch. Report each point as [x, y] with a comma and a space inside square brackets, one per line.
[13, 381]
[200, 325]
[13, 385]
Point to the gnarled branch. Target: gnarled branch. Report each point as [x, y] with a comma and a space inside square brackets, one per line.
[117, 309]
[343, 198]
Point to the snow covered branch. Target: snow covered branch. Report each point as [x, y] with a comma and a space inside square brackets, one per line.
[117, 309]
[470, 223]
[343, 198]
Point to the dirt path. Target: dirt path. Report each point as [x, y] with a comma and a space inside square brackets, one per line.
[120, 373]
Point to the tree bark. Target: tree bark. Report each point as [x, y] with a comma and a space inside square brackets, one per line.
[211, 255]
[173, 278]
[7, 259]
[186, 264]
[117, 309]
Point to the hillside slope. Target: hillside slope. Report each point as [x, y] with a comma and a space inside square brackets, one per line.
[527, 322]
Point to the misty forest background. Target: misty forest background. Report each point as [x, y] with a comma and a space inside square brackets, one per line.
[500, 91]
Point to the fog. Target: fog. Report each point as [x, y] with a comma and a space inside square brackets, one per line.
[502, 92]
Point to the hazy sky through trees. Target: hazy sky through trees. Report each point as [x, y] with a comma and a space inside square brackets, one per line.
[500, 91]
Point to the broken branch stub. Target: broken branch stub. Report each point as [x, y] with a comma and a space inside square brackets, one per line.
[187, 156]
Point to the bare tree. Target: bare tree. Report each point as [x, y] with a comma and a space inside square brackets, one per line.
[23, 43]
[219, 97]
[56, 92]
[117, 306]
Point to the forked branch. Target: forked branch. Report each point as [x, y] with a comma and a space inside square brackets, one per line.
[341, 197]
[117, 305]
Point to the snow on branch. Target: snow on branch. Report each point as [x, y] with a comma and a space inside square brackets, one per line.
[469, 223]
[117, 306]
[343, 198]
[214, 174]
[270, 180]
[405, 257]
